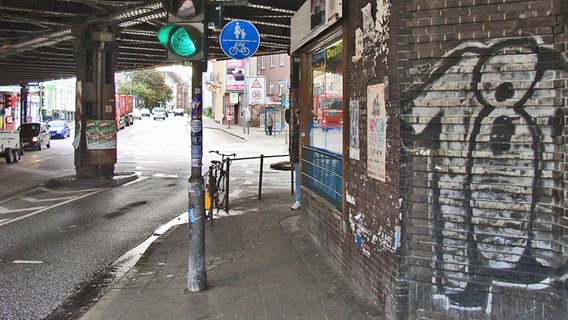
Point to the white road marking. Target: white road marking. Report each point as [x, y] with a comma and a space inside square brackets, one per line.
[139, 179]
[34, 200]
[27, 262]
[163, 175]
[5, 210]
[52, 206]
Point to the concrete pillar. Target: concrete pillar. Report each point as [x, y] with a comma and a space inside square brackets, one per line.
[95, 56]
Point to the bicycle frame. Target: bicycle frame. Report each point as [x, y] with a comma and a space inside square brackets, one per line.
[218, 181]
[210, 190]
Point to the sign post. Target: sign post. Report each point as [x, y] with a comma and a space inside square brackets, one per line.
[196, 276]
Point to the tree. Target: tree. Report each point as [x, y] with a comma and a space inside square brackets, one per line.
[148, 85]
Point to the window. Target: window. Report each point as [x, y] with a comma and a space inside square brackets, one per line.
[262, 62]
[272, 61]
[271, 87]
[322, 157]
[282, 59]
[327, 99]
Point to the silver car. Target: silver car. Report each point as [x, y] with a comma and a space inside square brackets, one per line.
[159, 113]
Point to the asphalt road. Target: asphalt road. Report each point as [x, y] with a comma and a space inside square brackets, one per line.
[57, 242]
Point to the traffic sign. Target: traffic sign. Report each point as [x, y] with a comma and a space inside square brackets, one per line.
[256, 84]
[256, 95]
[256, 92]
[239, 39]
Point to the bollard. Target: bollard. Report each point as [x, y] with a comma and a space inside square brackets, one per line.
[260, 177]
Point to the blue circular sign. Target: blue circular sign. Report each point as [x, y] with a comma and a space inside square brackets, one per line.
[239, 39]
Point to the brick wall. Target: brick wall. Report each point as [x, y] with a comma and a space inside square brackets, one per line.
[470, 219]
[483, 104]
[363, 239]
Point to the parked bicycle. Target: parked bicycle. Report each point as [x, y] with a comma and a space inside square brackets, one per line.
[216, 188]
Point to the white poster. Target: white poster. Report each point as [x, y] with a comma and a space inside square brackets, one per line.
[234, 97]
[376, 132]
[354, 129]
[235, 75]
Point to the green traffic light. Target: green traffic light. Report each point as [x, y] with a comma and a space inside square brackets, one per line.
[164, 34]
[177, 39]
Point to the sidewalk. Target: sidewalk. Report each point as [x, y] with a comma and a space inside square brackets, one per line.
[261, 264]
[253, 133]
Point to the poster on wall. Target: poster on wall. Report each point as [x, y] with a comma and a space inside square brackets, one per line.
[235, 75]
[317, 10]
[234, 98]
[376, 132]
[101, 134]
[101, 142]
[354, 129]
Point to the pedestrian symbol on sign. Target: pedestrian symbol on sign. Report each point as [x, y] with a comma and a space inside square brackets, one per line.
[239, 39]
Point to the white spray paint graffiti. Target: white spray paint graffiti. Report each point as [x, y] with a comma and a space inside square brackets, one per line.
[480, 111]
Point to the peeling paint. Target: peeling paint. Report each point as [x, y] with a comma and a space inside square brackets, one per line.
[375, 32]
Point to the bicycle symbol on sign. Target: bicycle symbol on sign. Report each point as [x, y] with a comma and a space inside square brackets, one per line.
[239, 47]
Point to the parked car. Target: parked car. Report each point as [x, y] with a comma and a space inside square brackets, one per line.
[34, 135]
[137, 113]
[145, 112]
[159, 113]
[179, 112]
[59, 129]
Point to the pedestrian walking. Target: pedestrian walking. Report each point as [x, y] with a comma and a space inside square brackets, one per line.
[269, 124]
[295, 156]
[247, 118]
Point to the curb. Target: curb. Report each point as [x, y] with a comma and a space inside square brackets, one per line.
[228, 132]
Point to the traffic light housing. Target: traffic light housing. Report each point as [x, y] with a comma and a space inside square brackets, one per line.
[185, 35]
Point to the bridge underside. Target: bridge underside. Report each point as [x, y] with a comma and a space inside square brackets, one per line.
[37, 37]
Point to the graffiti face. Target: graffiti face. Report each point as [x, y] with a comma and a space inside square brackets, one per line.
[480, 110]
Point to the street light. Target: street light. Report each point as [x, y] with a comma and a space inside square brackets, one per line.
[131, 76]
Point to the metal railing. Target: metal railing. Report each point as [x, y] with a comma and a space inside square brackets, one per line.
[261, 158]
[322, 173]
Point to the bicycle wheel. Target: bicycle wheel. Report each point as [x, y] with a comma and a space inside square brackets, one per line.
[209, 210]
[221, 192]
[210, 193]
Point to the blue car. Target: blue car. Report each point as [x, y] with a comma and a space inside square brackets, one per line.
[59, 129]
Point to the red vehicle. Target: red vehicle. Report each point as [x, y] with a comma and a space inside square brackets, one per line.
[124, 106]
[328, 108]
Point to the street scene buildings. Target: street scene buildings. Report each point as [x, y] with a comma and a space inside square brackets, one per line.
[432, 141]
